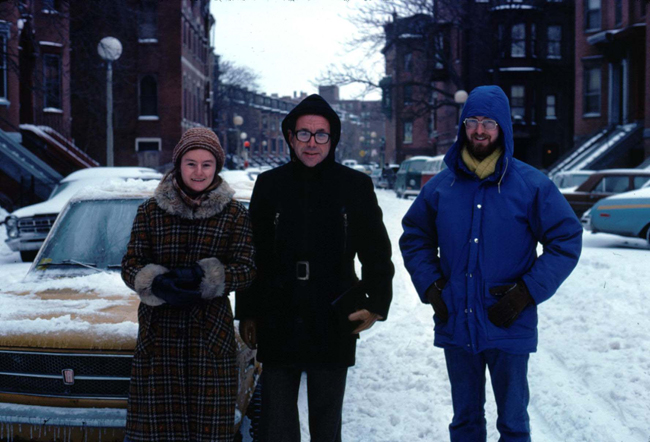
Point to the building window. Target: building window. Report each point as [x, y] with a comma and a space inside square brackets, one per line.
[551, 100]
[408, 132]
[52, 5]
[52, 83]
[408, 61]
[618, 12]
[518, 103]
[148, 20]
[592, 14]
[148, 96]
[440, 51]
[3, 63]
[592, 87]
[554, 42]
[147, 144]
[518, 40]
[408, 94]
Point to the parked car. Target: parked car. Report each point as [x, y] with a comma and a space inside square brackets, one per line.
[605, 183]
[625, 214]
[409, 176]
[571, 179]
[67, 341]
[27, 227]
[432, 167]
[349, 163]
[384, 178]
[362, 168]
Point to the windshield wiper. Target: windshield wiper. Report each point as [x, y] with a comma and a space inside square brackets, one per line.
[92, 266]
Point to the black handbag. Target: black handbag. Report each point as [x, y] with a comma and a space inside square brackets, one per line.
[348, 302]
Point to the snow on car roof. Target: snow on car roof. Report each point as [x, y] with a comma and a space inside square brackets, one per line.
[109, 172]
[118, 188]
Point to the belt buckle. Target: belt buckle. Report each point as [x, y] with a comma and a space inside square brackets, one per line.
[306, 270]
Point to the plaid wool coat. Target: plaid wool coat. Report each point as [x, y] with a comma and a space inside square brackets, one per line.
[184, 377]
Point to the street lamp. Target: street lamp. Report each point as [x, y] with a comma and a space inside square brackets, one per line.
[460, 97]
[243, 137]
[110, 49]
[238, 120]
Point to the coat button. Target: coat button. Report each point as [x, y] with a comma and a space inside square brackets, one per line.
[476, 240]
[479, 206]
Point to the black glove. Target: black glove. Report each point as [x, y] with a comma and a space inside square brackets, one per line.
[513, 300]
[173, 291]
[188, 278]
[434, 295]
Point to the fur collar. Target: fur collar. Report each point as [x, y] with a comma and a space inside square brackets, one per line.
[170, 201]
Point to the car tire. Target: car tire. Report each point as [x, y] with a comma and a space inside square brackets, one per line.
[647, 234]
[28, 255]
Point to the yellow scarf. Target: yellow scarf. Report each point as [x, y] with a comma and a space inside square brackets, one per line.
[482, 169]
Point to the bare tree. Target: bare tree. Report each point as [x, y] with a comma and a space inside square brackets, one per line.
[232, 74]
[426, 28]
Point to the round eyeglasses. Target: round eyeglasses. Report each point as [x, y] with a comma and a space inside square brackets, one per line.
[320, 137]
[472, 124]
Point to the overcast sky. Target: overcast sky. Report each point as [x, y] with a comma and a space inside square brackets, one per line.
[288, 42]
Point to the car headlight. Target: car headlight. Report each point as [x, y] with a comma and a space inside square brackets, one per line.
[11, 222]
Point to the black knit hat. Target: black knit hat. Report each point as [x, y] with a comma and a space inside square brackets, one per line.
[313, 105]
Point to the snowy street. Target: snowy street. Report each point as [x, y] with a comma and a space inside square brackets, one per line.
[589, 380]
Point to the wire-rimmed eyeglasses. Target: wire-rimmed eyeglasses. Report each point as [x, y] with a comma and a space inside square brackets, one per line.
[304, 136]
[472, 124]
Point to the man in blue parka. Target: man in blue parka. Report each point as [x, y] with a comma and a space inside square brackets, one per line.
[470, 244]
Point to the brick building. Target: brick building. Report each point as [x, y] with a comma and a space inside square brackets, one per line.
[524, 46]
[261, 117]
[161, 82]
[612, 82]
[36, 149]
[363, 131]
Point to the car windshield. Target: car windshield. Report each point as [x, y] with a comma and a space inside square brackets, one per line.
[417, 166]
[60, 188]
[92, 236]
[566, 180]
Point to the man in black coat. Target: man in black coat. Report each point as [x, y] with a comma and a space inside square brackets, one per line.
[311, 217]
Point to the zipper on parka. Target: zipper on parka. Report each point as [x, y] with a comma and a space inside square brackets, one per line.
[276, 223]
[345, 230]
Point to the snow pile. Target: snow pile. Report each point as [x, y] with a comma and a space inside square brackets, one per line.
[100, 283]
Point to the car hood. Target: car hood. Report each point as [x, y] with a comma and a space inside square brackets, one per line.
[68, 314]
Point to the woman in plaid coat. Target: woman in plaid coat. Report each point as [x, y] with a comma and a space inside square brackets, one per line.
[191, 244]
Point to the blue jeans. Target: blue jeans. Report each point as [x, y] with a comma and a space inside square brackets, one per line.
[280, 387]
[508, 373]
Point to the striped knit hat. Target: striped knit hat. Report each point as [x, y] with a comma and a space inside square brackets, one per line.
[199, 138]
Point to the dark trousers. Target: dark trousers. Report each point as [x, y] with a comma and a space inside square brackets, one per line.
[325, 390]
[508, 373]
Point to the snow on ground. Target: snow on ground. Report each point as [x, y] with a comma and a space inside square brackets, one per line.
[589, 380]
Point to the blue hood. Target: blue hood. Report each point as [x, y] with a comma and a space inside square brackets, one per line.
[484, 101]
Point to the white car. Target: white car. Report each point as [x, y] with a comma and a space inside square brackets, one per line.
[27, 227]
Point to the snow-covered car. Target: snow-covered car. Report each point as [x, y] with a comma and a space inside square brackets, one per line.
[27, 227]
[625, 214]
[69, 328]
